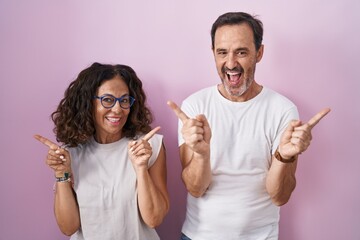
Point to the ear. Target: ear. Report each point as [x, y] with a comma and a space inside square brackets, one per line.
[260, 53]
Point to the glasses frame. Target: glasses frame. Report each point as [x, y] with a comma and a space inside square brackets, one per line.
[132, 100]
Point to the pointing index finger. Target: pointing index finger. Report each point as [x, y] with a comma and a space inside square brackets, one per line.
[180, 114]
[316, 119]
[151, 134]
[46, 141]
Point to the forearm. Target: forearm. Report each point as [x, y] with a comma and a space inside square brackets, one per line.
[197, 174]
[66, 208]
[281, 181]
[153, 204]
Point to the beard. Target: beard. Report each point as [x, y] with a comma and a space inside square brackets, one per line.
[237, 91]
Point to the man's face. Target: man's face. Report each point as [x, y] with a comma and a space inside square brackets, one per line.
[236, 57]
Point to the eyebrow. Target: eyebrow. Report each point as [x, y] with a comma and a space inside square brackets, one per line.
[237, 49]
[220, 49]
[108, 94]
[242, 49]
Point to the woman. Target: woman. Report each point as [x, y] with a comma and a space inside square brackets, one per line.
[111, 172]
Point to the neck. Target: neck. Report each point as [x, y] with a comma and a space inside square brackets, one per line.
[106, 139]
[250, 93]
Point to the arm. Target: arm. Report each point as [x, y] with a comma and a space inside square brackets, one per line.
[153, 199]
[66, 208]
[281, 181]
[194, 152]
[196, 173]
[296, 138]
[65, 204]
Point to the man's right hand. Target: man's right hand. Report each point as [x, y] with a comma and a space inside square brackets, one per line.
[195, 131]
[195, 153]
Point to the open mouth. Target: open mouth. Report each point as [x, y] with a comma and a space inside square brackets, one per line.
[113, 119]
[234, 78]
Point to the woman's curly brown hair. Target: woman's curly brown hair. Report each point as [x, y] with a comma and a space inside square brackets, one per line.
[74, 122]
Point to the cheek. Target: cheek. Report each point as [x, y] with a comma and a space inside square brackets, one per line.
[97, 108]
[249, 66]
[97, 120]
[252, 69]
[99, 113]
[219, 66]
[219, 61]
[126, 115]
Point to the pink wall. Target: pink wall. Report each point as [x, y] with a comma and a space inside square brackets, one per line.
[311, 55]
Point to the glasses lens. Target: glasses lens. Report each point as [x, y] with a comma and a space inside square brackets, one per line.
[126, 102]
[108, 101]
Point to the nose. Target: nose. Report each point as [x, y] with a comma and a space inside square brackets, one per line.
[116, 108]
[231, 61]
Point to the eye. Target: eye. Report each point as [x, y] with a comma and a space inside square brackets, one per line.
[242, 53]
[108, 100]
[125, 99]
[221, 53]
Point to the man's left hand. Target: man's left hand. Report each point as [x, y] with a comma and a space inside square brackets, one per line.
[297, 136]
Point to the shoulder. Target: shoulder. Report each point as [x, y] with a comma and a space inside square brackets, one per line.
[279, 104]
[83, 148]
[277, 98]
[154, 140]
[156, 144]
[276, 95]
[77, 149]
[198, 101]
[158, 138]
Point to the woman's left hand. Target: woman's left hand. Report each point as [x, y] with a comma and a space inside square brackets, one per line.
[140, 150]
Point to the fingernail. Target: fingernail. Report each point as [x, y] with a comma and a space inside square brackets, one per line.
[61, 157]
[57, 151]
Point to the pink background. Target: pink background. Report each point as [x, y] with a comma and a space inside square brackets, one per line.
[311, 56]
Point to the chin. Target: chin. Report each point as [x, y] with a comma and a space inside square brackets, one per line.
[235, 92]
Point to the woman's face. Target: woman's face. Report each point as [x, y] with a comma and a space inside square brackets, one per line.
[110, 121]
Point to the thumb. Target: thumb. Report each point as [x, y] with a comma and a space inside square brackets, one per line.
[206, 127]
[286, 136]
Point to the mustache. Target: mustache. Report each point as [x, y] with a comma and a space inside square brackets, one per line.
[235, 69]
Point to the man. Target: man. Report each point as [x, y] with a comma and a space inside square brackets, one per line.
[239, 142]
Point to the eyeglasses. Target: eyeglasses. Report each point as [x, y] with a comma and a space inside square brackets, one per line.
[108, 101]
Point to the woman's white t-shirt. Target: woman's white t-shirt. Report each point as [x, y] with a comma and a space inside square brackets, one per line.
[105, 186]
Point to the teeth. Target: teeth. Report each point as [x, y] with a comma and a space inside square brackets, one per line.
[113, 119]
[232, 73]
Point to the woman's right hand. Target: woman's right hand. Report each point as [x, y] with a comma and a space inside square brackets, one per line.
[58, 158]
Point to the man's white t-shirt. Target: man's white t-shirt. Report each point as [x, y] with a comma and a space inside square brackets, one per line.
[244, 136]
